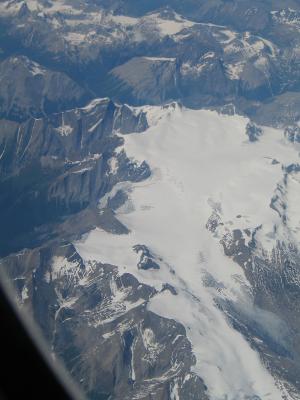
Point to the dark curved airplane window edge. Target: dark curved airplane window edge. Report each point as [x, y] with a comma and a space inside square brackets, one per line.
[28, 372]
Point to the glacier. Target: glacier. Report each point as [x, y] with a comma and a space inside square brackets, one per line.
[202, 163]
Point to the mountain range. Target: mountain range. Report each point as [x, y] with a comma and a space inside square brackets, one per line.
[150, 191]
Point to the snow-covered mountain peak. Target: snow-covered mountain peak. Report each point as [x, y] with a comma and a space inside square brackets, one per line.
[203, 165]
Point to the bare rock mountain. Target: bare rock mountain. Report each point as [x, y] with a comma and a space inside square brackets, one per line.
[30, 90]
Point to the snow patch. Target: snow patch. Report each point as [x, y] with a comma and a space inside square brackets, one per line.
[113, 165]
[24, 294]
[61, 266]
[170, 59]
[170, 27]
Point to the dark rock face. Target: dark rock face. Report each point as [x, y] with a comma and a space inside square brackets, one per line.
[253, 132]
[59, 165]
[98, 324]
[281, 111]
[293, 133]
[145, 80]
[147, 260]
[274, 281]
[30, 90]
[271, 279]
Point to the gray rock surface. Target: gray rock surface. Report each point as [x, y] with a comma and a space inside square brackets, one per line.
[97, 322]
[29, 90]
[59, 165]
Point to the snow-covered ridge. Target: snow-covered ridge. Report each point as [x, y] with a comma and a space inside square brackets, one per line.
[10, 7]
[88, 28]
[287, 16]
[201, 162]
[84, 24]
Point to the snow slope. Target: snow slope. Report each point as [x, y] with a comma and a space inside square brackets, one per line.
[201, 162]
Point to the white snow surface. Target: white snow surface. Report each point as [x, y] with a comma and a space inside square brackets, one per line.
[9, 7]
[171, 27]
[200, 160]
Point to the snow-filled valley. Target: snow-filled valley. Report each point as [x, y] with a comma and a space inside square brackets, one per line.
[202, 164]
